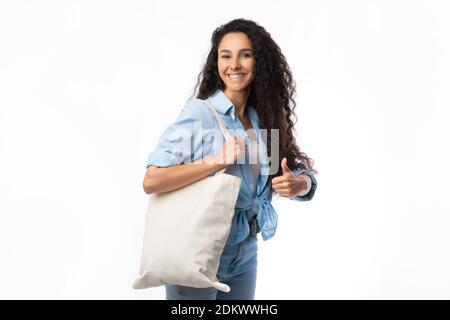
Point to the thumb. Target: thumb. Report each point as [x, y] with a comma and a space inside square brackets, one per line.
[285, 167]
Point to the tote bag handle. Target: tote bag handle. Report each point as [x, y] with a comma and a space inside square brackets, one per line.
[221, 125]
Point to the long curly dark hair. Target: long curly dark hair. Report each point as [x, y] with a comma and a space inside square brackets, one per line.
[272, 91]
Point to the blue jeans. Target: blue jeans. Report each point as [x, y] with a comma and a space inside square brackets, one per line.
[237, 269]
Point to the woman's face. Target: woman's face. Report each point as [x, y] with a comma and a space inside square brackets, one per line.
[235, 61]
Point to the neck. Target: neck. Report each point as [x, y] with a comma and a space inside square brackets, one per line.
[239, 100]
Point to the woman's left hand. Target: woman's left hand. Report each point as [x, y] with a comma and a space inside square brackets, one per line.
[288, 185]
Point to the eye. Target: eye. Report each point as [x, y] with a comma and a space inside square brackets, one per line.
[247, 55]
[225, 57]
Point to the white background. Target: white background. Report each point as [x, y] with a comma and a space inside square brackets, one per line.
[87, 87]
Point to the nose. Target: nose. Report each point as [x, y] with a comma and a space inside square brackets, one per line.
[235, 64]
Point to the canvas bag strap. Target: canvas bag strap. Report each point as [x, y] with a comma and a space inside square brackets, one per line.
[220, 123]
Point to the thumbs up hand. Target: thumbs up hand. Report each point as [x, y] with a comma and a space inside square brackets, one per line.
[288, 185]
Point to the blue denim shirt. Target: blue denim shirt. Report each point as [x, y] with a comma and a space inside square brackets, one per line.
[193, 124]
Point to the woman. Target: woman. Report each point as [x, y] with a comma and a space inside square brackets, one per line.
[249, 83]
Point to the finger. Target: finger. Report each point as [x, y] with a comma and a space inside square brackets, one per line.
[282, 185]
[241, 142]
[287, 190]
[284, 190]
[285, 195]
[280, 179]
[281, 188]
[277, 180]
[240, 147]
[285, 167]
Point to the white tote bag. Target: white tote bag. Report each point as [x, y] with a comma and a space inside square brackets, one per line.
[187, 229]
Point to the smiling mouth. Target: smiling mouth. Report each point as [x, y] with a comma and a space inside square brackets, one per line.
[236, 76]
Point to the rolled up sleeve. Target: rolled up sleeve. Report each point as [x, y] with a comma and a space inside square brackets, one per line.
[182, 141]
[312, 191]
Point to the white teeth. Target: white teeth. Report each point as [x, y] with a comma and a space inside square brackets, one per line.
[236, 76]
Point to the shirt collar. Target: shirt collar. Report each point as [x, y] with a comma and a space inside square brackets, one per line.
[222, 103]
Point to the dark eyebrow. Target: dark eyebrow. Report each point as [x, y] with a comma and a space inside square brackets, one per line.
[245, 49]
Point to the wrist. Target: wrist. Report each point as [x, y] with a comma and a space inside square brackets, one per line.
[216, 163]
[307, 186]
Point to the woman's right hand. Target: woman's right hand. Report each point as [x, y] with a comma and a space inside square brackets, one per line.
[232, 150]
[164, 179]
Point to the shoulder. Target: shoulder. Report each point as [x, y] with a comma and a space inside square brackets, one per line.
[196, 109]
